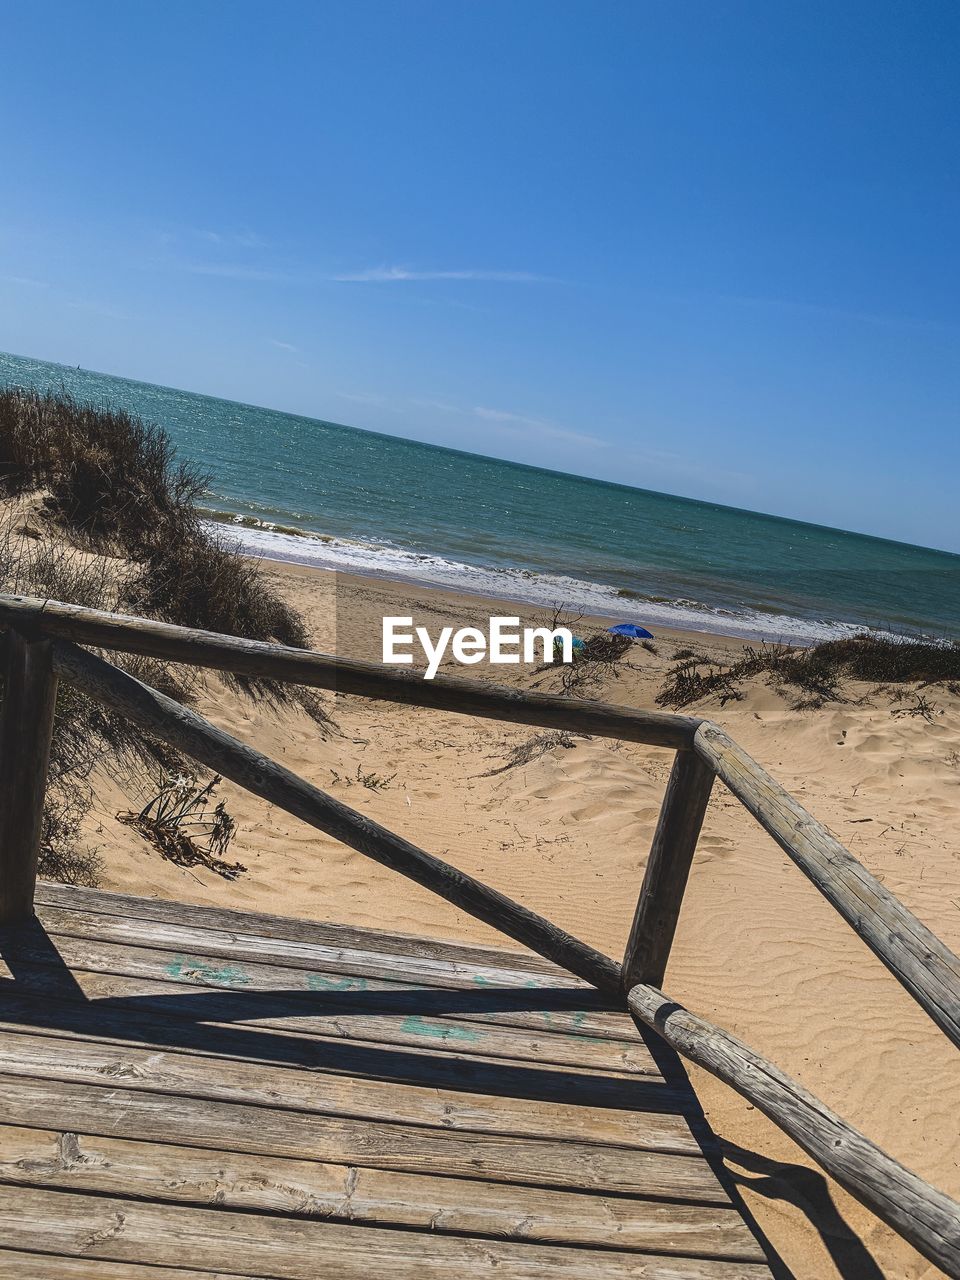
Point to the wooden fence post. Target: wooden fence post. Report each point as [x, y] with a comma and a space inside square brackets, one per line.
[26, 731]
[674, 842]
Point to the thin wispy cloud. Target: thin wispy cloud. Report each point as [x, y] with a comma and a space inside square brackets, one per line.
[283, 346]
[520, 423]
[26, 281]
[443, 405]
[243, 239]
[394, 275]
[233, 271]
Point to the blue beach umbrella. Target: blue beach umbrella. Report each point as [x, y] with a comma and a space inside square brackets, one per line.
[632, 630]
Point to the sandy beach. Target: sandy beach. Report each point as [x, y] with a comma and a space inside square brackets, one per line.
[758, 950]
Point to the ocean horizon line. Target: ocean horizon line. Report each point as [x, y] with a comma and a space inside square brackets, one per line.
[490, 457]
[296, 488]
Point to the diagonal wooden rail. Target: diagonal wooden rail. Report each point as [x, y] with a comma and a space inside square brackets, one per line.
[42, 646]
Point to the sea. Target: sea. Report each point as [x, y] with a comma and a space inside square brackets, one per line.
[313, 492]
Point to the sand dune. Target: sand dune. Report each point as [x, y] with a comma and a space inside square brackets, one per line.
[758, 951]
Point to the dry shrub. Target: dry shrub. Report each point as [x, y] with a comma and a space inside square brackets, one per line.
[815, 675]
[178, 822]
[63, 855]
[114, 483]
[533, 749]
[604, 647]
[113, 479]
[197, 580]
[119, 530]
[591, 664]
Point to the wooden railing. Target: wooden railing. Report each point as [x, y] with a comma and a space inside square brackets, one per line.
[43, 640]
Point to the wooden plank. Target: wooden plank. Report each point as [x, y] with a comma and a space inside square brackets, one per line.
[327, 1016]
[26, 728]
[188, 732]
[564, 1012]
[232, 1079]
[118, 1108]
[324, 671]
[924, 1216]
[156, 1171]
[237, 946]
[914, 955]
[290, 1248]
[17, 1265]
[290, 928]
[668, 866]
[377, 1065]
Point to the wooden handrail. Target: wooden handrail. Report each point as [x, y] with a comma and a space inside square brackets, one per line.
[188, 732]
[257, 659]
[40, 647]
[920, 1213]
[915, 956]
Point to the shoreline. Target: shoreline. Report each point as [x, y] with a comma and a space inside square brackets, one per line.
[470, 606]
[688, 618]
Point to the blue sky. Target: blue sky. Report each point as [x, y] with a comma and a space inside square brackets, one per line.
[709, 248]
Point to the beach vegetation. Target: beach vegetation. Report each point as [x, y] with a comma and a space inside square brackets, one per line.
[532, 749]
[820, 673]
[180, 823]
[100, 512]
[374, 781]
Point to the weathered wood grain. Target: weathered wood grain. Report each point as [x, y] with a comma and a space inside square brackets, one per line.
[26, 728]
[150, 1066]
[17, 1265]
[668, 866]
[291, 1249]
[157, 1171]
[305, 955]
[324, 671]
[339, 1016]
[924, 1216]
[117, 1107]
[289, 928]
[562, 1010]
[914, 955]
[187, 732]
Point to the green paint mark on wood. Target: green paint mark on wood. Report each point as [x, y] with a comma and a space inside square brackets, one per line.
[320, 982]
[415, 1025]
[192, 969]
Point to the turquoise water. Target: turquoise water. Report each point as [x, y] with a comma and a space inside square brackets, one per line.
[383, 505]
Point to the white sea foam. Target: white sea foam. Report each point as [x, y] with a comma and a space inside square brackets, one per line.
[372, 559]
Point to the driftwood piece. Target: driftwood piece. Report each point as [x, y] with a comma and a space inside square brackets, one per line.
[323, 671]
[187, 732]
[914, 955]
[668, 866]
[924, 1216]
[26, 728]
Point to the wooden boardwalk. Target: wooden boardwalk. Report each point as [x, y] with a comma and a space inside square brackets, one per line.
[190, 1092]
